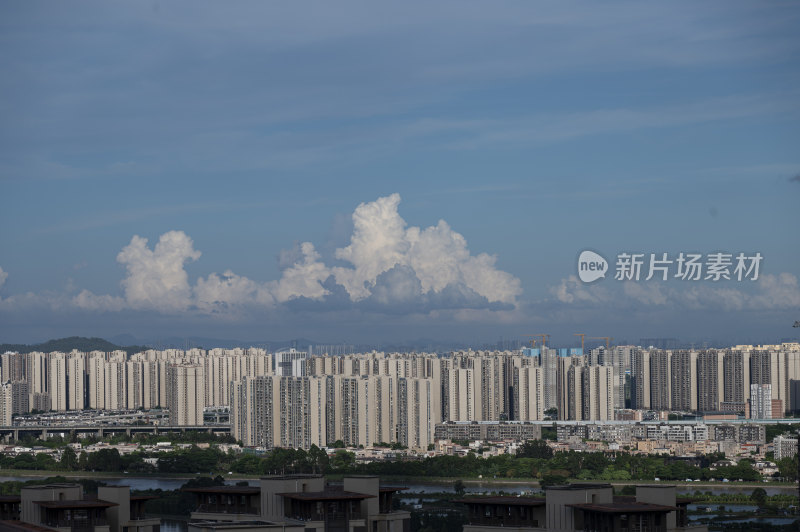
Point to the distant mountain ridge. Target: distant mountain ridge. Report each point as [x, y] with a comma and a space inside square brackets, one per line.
[68, 344]
[130, 344]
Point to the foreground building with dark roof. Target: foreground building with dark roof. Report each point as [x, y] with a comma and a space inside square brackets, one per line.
[300, 503]
[581, 507]
[64, 507]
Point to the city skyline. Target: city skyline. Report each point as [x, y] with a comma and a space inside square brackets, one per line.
[366, 175]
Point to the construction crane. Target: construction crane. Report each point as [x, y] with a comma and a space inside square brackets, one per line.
[608, 340]
[583, 336]
[544, 338]
[532, 339]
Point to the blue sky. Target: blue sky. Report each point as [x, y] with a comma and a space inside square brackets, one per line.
[371, 173]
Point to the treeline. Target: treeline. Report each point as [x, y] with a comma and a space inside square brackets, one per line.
[535, 461]
[192, 460]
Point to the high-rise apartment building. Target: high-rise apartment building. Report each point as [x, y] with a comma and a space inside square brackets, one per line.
[709, 380]
[57, 379]
[76, 372]
[186, 397]
[290, 363]
[6, 404]
[660, 380]
[761, 401]
[640, 379]
[683, 382]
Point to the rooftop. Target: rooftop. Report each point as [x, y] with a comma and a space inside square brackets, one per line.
[504, 500]
[623, 507]
[143, 497]
[584, 486]
[75, 504]
[233, 525]
[52, 486]
[326, 495]
[10, 526]
[291, 477]
[233, 490]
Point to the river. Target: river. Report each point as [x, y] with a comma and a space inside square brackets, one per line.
[470, 486]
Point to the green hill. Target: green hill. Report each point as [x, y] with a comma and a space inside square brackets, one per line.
[68, 344]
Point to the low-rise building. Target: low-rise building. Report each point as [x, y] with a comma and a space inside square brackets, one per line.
[360, 503]
[63, 507]
[784, 446]
[582, 507]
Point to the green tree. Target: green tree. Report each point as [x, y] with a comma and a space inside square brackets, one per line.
[787, 468]
[318, 459]
[83, 461]
[248, 464]
[105, 460]
[69, 460]
[342, 460]
[552, 480]
[458, 487]
[759, 496]
[535, 449]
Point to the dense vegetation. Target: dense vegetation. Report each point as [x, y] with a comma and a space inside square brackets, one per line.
[535, 460]
[780, 428]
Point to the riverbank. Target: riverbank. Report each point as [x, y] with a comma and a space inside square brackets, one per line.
[434, 481]
[471, 481]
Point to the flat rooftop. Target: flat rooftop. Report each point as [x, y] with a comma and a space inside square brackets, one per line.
[509, 500]
[623, 507]
[586, 486]
[67, 505]
[231, 490]
[326, 495]
[298, 476]
[234, 525]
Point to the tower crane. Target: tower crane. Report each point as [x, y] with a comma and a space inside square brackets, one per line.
[583, 336]
[544, 338]
[608, 340]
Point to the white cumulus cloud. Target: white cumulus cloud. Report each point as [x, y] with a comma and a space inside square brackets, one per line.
[647, 293]
[303, 278]
[221, 292]
[572, 290]
[387, 266]
[89, 301]
[156, 278]
[769, 292]
[3, 277]
[782, 291]
[438, 256]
